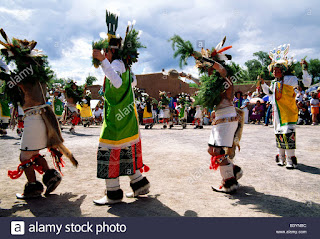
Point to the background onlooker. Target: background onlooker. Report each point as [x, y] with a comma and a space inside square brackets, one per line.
[257, 113]
[314, 102]
[244, 107]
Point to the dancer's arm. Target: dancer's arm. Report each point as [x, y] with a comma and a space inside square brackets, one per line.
[306, 78]
[113, 71]
[265, 88]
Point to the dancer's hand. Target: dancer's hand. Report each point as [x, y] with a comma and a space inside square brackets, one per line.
[304, 64]
[98, 55]
[261, 80]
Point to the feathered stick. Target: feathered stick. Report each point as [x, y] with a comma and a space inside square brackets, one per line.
[182, 48]
[185, 50]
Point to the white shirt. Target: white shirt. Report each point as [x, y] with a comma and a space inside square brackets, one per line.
[113, 71]
[314, 103]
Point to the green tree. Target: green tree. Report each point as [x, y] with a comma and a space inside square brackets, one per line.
[237, 71]
[263, 57]
[90, 79]
[314, 69]
[55, 80]
[254, 69]
[297, 70]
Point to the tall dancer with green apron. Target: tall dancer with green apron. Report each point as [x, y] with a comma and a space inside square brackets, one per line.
[119, 151]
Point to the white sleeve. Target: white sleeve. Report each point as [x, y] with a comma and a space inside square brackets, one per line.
[306, 79]
[113, 71]
[266, 89]
[291, 80]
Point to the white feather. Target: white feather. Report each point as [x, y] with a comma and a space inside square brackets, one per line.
[103, 35]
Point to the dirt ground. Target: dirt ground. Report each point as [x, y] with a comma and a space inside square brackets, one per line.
[179, 175]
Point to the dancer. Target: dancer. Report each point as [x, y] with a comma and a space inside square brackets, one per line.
[85, 110]
[74, 95]
[57, 104]
[119, 151]
[41, 129]
[198, 118]
[216, 91]
[164, 110]
[4, 102]
[183, 113]
[147, 113]
[284, 103]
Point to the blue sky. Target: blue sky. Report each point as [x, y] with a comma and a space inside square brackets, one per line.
[65, 30]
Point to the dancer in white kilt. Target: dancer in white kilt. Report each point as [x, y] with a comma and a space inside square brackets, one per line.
[216, 91]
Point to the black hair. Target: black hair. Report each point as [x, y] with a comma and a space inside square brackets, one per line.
[115, 42]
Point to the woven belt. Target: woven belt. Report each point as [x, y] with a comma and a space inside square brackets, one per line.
[225, 120]
[35, 110]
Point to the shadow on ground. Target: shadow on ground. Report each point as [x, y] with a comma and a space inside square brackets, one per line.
[63, 205]
[276, 205]
[6, 137]
[308, 169]
[146, 207]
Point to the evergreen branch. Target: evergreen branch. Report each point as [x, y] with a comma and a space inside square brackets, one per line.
[184, 49]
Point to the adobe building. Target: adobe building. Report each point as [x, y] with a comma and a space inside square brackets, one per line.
[95, 92]
[155, 82]
[152, 83]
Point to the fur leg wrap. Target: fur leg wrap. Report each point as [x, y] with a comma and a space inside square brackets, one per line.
[25, 164]
[115, 195]
[229, 182]
[32, 190]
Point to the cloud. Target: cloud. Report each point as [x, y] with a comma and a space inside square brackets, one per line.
[65, 29]
[75, 62]
[20, 15]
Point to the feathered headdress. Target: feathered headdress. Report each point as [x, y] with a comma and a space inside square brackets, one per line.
[128, 51]
[75, 94]
[204, 59]
[278, 57]
[211, 86]
[24, 56]
[164, 98]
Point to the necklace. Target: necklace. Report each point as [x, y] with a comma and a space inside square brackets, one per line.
[279, 90]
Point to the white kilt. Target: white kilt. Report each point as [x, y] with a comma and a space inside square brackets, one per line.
[34, 135]
[222, 134]
[198, 115]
